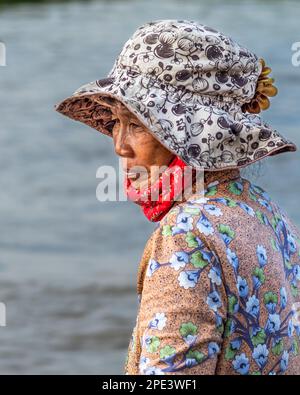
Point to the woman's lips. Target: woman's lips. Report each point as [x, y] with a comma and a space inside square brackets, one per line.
[134, 175]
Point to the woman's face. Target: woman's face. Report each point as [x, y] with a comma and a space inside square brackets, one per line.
[141, 153]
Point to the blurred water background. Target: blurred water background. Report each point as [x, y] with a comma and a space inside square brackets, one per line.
[68, 263]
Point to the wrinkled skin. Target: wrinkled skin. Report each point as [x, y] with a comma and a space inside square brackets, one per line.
[137, 147]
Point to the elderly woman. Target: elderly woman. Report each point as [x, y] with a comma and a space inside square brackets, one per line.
[218, 282]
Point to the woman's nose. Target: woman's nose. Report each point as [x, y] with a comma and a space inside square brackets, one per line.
[121, 143]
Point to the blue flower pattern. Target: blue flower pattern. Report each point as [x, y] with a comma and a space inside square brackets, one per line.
[252, 343]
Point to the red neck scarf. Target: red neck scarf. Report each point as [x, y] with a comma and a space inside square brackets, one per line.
[157, 207]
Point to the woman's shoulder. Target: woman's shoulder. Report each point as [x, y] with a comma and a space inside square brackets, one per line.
[202, 210]
[231, 209]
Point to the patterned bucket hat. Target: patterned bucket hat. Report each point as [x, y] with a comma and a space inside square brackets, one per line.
[196, 90]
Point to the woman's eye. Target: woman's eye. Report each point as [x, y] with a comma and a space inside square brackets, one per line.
[135, 125]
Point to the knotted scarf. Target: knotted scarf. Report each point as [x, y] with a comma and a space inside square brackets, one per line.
[157, 199]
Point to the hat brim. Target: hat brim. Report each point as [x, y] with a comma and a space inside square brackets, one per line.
[83, 106]
[210, 138]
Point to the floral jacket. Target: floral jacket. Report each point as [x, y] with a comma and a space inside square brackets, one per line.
[218, 286]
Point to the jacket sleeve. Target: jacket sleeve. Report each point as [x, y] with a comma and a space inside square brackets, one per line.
[183, 304]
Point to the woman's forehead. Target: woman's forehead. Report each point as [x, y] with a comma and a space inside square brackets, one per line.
[110, 102]
[119, 109]
[115, 106]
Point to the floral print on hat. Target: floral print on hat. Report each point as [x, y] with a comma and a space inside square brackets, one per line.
[187, 83]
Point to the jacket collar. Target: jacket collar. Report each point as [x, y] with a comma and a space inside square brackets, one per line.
[209, 177]
[221, 176]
